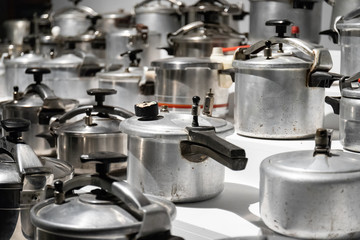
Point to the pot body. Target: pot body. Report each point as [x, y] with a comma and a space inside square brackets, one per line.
[349, 122]
[16, 30]
[307, 19]
[350, 51]
[309, 205]
[176, 87]
[156, 167]
[275, 103]
[130, 39]
[71, 146]
[341, 8]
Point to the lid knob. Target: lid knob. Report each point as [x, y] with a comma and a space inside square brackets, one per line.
[195, 111]
[322, 141]
[15, 126]
[59, 193]
[134, 60]
[38, 73]
[88, 118]
[280, 26]
[100, 94]
[147, 110]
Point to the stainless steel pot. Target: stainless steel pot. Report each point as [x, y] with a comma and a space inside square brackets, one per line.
[114, 21]
[73, 21]
[159, 16]
[37, 103]
[280, 96]
[115, 211]
[179, 157]
[24, 179]
[303, 13]
[62, 67]
[97, 131]
[312, 194]
[348, 28]
[341, 8]
[213, 11]
[347, 108]
[178, 79]
[197, 39]
[124, 40]
[16, 30]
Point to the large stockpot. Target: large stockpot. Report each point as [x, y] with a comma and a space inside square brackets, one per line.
[348, 28]
[37, 103]
[160, 17]
[24, 179]
[97, 130]
[303, 13]
[312, 194]
[280, 96]
[116, 211]
[197, 39]
[130, 39]
[178, 79]
[347, 107]
[179, 157]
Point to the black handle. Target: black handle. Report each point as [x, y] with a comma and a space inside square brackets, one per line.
[147, 110]
[15, 126]
[334, 35]
[230, 72]
[134, 60]
[203, 140]
[103, 160]
[303, 4]
[240, 16]
[100, 94]
[38, 73]
[280, 26]
[334, 102]
[323, 79]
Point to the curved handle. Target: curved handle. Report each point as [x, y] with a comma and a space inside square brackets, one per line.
[203, 140]
[41, 89]
[334, 102]
[175, 2]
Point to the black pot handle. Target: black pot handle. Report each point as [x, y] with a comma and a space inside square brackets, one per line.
[204, 141]
[323, 79]
[331, 33]
[334, 102]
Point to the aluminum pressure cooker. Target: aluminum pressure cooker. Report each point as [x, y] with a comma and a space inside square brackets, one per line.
[115, 210]
[24, 179]
[281, 95]
[39, 104]
[306, 14]
[97, 130]
[179, 157]
[312, 194]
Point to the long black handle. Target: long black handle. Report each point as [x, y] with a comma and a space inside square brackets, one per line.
[334, 102]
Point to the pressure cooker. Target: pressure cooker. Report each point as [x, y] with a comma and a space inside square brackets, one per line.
[280, 95]
[24, 179]
[179, 157]
[161, 16]
[197, 39]
[114, 21]
[312, 194]
[90, 128]
[115, 209]
[39, 104]
[178, 79]
[306, 14]
[347, 109]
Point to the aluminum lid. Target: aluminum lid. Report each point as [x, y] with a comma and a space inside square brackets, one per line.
[349, 22]
[155, 7]
[25, 60]
[10, 176]
[170, 124]
[74, 12]
[120, 75]
[351, 92]
[304, 161]
[275, 62]
[182, 63]
[66, 60]
[84, 215]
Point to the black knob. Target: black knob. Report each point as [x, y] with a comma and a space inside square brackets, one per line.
[134, 60]
[280, 26]
[147, 110]
[38, 73]
[75, 1]
[103, 160]
[58, 186]
[100, 94]
[93, 19]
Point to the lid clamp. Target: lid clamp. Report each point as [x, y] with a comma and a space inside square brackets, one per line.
[323, 142]
[209, 103]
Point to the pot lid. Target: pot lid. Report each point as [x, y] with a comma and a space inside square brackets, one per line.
[61, 170]
[205, 6]
[74, 12]
[352, 91]
[170, 124]
[155, 7]
[9, 172]
[108, 216]
[349, 22]
[63, 61]
[275, 62]
[304, 161]
[29, 58]
[182, 63]
[121, 14]
[100, 125]
[131, 74]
